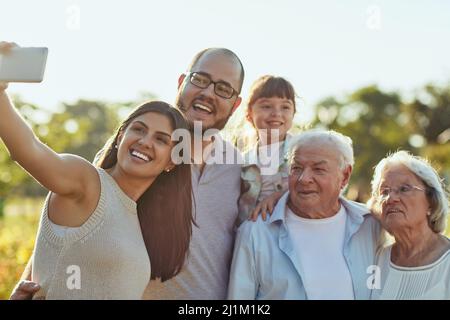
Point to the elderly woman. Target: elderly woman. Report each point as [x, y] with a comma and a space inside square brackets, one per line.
[411, 203]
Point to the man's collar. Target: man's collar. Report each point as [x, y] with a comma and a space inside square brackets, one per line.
[279, 211]
[356, 211]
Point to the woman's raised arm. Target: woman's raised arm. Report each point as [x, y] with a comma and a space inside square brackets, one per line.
[63, 174]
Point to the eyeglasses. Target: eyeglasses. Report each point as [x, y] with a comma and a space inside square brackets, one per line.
[402, 191]
[221, 88]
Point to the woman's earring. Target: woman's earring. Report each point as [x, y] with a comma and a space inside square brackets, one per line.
[116, 146]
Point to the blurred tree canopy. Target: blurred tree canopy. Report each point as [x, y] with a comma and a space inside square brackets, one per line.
[381, 122]
[80, 128]
[12, 176]
[429, 120]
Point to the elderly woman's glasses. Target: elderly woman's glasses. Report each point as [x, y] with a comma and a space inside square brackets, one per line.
[402, 191]
[202, 80]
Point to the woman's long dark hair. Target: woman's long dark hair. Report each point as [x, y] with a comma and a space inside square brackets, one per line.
[165, 208]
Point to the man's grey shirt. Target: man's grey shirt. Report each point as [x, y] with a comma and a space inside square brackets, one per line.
[205, 276]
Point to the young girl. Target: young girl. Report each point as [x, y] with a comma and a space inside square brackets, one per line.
[102, 227]
[270, 110]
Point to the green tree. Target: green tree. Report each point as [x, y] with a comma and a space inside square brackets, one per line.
[429, 117]
[12, 176]
[80, 128]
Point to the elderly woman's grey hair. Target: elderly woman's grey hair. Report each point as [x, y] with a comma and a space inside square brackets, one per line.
[328, 138]
[435, 190]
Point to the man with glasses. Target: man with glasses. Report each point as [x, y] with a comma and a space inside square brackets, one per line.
[209, 91]
[316, 244]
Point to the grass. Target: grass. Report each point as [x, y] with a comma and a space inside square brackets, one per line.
[17, 235]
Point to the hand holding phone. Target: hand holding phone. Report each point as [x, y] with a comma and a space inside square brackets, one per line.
[19, 64]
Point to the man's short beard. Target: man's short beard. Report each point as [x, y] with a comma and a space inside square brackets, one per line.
[219, 125]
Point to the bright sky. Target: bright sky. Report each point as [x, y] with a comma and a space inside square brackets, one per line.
[112, 50]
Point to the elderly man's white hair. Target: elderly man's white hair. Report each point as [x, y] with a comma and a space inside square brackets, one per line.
[328, 138]
[434, 186]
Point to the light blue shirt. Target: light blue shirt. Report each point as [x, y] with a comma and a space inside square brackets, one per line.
[265, 264]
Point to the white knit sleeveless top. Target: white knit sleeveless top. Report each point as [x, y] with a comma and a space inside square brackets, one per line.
[105, 258]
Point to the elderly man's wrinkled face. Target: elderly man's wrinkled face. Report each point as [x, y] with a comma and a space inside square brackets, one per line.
[316, 180]
[402, 198]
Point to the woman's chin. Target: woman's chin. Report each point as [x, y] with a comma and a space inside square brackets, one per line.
[392, 223]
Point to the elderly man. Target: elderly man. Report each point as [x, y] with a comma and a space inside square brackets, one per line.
[316, 244]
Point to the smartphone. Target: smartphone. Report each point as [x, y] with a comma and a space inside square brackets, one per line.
[23, 65]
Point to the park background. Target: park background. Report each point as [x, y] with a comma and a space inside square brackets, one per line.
[378, 71]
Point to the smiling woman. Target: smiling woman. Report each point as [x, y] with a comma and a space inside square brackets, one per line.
[409, 199]
[103, 226]
[166, 225]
